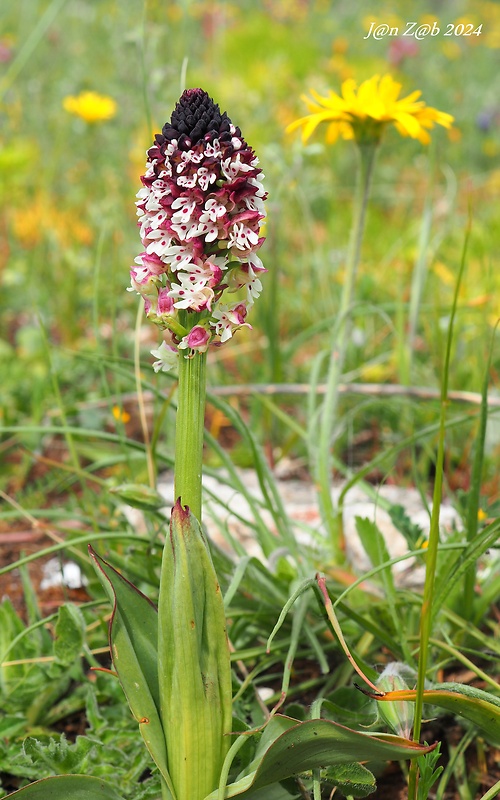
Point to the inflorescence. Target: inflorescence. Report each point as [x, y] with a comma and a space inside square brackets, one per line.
[200, 212]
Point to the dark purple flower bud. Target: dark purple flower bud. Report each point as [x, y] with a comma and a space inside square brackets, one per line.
[197, 118]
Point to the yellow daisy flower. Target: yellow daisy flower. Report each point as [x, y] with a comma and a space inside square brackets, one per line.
[90, 106]
[363, 112]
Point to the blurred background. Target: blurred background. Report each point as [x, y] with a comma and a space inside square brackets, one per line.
[69, 174]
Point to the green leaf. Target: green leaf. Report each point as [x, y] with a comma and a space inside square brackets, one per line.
[12, 725]
[352, 779]
[318, 743]
[480, 708]
[194, 660]
[11, 626]
[348, 706]
[375, 547]
[70, 634]
[68, 787]
[139, 495]
[59, 755]
[402, 521]
[474, 550]
[133, 634]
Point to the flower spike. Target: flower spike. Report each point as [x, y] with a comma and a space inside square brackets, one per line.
[200, 211]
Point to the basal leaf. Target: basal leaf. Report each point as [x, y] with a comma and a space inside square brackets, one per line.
[133, 638]
[318, 743]
[67, 787]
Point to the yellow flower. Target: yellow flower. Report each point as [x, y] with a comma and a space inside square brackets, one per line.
[363, 113]
[90, 106]
[120, 414]
[43, 217]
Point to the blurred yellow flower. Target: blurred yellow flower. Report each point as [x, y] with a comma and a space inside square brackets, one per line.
[428, 19]
[451, 50]
[120, 414]
[492, 185]
[492, 39]
[340, 45]
[490, 148]
[377, 373]
[363, 113]
[444, 273]
[90, 106]
[389, 19]
[43, 218]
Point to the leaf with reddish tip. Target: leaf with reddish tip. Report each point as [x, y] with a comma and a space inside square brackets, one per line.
[315, 744]
[480, 708]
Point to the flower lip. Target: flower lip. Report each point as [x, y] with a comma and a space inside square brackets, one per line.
[197, 118]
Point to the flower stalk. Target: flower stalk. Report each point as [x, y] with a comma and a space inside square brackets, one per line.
[332, 517]
[189, 431]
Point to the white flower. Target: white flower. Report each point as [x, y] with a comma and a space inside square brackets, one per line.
[167, 357]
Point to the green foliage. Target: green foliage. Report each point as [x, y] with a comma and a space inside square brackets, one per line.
[71, 422]
[111, 749]
[43, 669]
[479, 707]
[287, 748]
[78, 787]
[429, 772]
[352, 780]
[134, 638]
[69, 634]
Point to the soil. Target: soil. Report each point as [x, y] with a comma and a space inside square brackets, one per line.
[482, 763]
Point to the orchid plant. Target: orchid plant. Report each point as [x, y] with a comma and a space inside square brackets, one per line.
[200, 209]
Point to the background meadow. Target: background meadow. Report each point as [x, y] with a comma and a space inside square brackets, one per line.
[73, 349]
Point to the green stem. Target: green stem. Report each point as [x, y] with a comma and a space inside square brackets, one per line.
[189, 431]
[426, 615]
[331, 517]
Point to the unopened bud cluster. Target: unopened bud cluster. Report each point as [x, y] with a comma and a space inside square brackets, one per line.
[200, 212]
